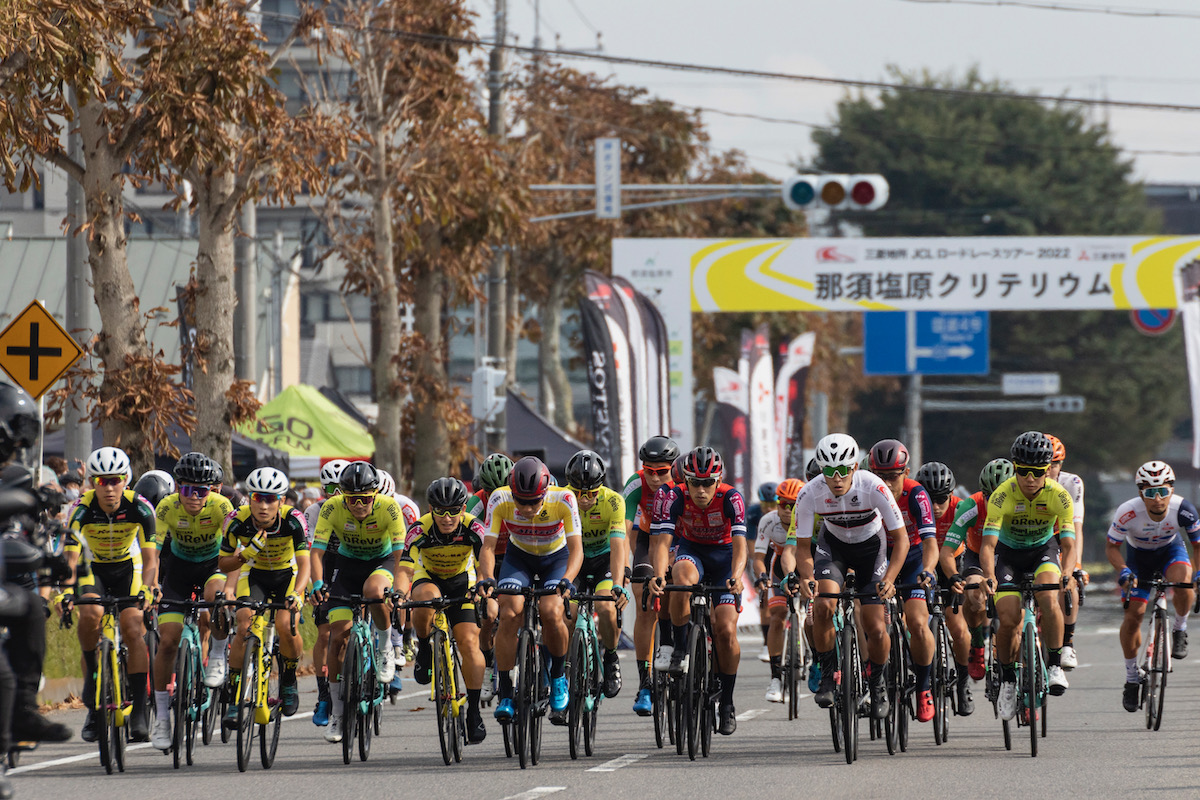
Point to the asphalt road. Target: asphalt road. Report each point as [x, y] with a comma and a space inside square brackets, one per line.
[1094, 749]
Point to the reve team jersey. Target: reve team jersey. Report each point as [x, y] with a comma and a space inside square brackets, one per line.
[917, 510]
[1132, 524]
[603, 522]
[867, 509]
[444, 556]
[115, 537]
[969, 516]
[1022, 522]
[546, 533]
[716, 524]
[379, 534]
[288, 537]
[192, 538]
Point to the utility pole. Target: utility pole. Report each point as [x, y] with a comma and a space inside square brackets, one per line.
[912, 421]
[77, 443]
[497, 327]
[245, 314]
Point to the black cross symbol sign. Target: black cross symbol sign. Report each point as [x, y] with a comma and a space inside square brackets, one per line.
[33, 352]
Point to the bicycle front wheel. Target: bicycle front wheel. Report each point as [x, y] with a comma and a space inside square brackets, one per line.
[1030, 702]
[443, 707]
[181, 703]
[366, 719]
[246, 705]
[268, 734]
[524, 695]
[658, 698]
[352, 671]
[791, 666]
[577, 685]
[937, 680]
[595, 680]
[695, 693]
[849, 691]
[1156, 671]
[106, 701]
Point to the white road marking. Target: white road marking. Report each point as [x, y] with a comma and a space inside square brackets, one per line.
[617, 763]
[536, 792]
[751, 714]
[72, 759]
[1107, 631]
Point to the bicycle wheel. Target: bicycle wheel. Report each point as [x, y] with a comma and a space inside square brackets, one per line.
[268, 734]
[577, 679]
[120, 731]
[180, 702]
[523, 696]
[1029, 684]
[460, 714]
[937, 680]
[538, 691]
[895, 680]
[352, 671]
[1156, 673]
[208, 711]
[694, 691]
[246, 703]
[679, 721]
[595, 683]
[105, 706]
[904, 713]
[791, 667]
[849, 693]
[659, 703]
[366, 719]
[708, 711]
[443, 708]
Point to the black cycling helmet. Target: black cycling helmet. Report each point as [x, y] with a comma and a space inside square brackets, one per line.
[703, 462]
[659, 450]
[446, 493]
[766, 492]
[19, 426]
[937, 479]
[1033, 449]
[889, 454]
[812, 469]
[529, 479]
[677, 469]
[494, 471]
[154, 486]
[359, 478]
[197, 468]
[585, 471]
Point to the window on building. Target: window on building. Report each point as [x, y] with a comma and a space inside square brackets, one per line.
[354, 379]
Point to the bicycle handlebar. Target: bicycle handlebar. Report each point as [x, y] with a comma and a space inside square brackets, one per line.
[704, 588]
[261, 607]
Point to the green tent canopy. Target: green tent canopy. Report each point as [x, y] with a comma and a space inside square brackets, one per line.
[301, 422]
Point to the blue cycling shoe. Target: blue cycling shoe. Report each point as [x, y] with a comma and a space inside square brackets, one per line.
[643, 706]
[397, 684]
[504, 710]
[814, 678]
[321, 714]
[559, 694]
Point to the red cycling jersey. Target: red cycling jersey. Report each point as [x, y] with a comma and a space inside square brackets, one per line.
[717, 524]
[917, 510]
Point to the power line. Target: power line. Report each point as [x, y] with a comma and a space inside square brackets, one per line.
[1119, 11]
[761, 74]
[581, 15]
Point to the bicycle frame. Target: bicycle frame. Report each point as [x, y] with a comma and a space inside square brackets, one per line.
[1156, 650]
[531, 691]
[852, 688]
[1032, 672]
[361, 712]
[447, 690]
[700, 695]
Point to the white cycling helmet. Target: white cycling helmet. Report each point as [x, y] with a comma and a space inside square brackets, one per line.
[108, 461]
[837, 450]
[387, 484]
[332, 471]
[1154, 473]
[267, 481]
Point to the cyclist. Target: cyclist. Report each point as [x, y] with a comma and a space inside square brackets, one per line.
[707, 519]
[769, 544]
[118, 527]
[658, 455]
[154, 486]
[440, 561]
[858, 516]
[544, 542]
[939, 482]
[766, 504]
[331, 472]
[403, 647]
[371, 531]
[266, 543]
[1074, 486]
[602, 516]
[889, 460]
[1153, 526]
[1018, 538]
[190, 522]
[493, 475]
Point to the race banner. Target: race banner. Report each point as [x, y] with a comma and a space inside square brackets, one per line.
[764, 443]
[731, 430]
[602, 387]
[790, 403]
[605, 296]
[638, 368]
[657, 349]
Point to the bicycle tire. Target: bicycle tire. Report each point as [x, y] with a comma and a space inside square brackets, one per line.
[268, 734]
[694, 690]
[351, 691]
[441, 701]
[522, 698]
[246, 703]
[849, 690]
[1029, 699]
[460, 722]
[903, 707]
[791, 667]
[105, 701]
[937, 680]
[179, 701]
[595, 684]
[709, 714]
[658, 698]
[891, 723]
[1007, 734]
[366, 719]
[1157, 673]
[208, 712]
[506, 731]
[576, 687]
[120, 734]
[226, 692]
[677, 687]
[536, 708]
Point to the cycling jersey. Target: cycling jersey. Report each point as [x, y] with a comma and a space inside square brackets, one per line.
[312, 515]
[1074, 486]
[943, 524]
[477, 503]
[866, 510]
[1023, 522]
[287, 537]
[377, 535]
[1132, 524]
[192, 538]
[639, 504]
[969, 516]
[546, 533]
[716, 524]
[603, 522]
[432, 554]
[917, 510]
[772, 534]
[116, 537]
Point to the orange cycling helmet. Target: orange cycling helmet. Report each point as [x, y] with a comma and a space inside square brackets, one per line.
[786, 492]
[1060, 451]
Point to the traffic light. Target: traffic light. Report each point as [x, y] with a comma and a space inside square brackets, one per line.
[839, 192]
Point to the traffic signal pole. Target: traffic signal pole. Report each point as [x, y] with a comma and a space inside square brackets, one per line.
[497, 327]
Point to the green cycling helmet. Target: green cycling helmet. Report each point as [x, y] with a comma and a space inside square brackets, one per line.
[994, 473]
[494, 471]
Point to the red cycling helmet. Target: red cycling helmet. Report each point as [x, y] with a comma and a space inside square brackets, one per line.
[888, 454]
[529, 479]
[702, 463]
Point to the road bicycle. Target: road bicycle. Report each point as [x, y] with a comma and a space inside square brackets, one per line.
[259, 703]
[585, 673]
[852, 691]
[664, 691]
[1032, 676]
[1155, 662]
[193, 705]
[448, 690]
[362, 694]
[943, 676]
[797, 655]
[531, 684]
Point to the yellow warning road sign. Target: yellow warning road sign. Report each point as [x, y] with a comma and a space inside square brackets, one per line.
[35, 350]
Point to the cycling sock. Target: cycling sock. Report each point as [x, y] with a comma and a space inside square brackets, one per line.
[335, 696]
[489, 657]
[1054, 659]
[558, 666]
[162, 702]
[1008, 672]
[137, 686]
[777, 666]
[728, 679]
[877, 671]
[216, 648]
[1180, 622]
[680, 633]
[322, 687]
[385, 636]
[1068, 634]
[473, 702]
[397, 637]
[921, 671]
[89, 678]
[289, 669]
[664, 631]
[506, 687]
[1131, 670]
[961, 673]
[643, 672]
[766, 627]
[977, 636]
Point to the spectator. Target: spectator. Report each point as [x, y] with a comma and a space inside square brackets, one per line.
[59, 465]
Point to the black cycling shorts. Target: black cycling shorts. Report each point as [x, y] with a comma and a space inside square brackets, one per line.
[867, 559]
[455, 586]
[1012, 564]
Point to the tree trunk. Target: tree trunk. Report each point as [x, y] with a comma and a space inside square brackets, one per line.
[213, 316]
[431, 438]
[122, 341]
[388, 394]
[557, 399]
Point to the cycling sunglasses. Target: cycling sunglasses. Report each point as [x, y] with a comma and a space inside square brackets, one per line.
[359, 499]
[446, 512]
[331, 489]
[1155, 491]
[588, 495]
[1026, 469]
[189, 490]
[107, 480]
[702, 481]
[265, 497]
[788, 506]
[840, 469]
[890, 474]
[659, 471]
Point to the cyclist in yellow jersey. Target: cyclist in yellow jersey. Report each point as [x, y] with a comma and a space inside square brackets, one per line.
[190, 524]
[544, 543]
[1018, 539]
[370, 527]
[440, 561]
[118, 527]
[602, 517]
[268, 542]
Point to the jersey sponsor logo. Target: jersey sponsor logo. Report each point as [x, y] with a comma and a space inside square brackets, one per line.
[1019, 508]
[205, 520]
[715, 518]
[1041, 508]
[855, 499]
[348, 526]
[183, 523]
[372, 526]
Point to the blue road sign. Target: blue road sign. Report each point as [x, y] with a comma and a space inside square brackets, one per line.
[925, 343]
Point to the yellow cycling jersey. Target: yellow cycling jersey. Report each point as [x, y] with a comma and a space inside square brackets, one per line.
[285, 539]
[115, 537]
[433, 554]
[379, 534]
[546, 533]
[1021, 522]
[192, 538]
[601, 523]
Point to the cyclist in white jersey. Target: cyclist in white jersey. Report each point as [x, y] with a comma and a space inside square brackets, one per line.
[769, 568]
[1153, 526]
[1074, 486]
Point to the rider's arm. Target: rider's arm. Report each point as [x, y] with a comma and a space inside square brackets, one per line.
[617, 556]
[987, 557]
[147, 540]
[899, 540]
[1066, 536]
[1113, 551]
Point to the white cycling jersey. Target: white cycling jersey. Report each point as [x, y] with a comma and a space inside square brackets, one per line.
[772, 533]
[1132, 524]
[1074, 486]
[866, 510]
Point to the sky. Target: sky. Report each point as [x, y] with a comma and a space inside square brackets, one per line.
[1051, 52]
